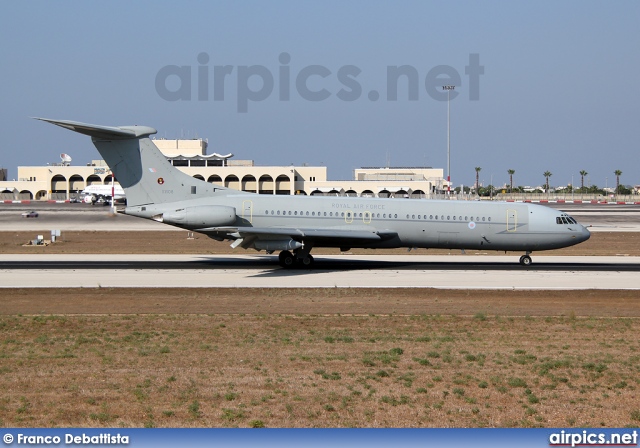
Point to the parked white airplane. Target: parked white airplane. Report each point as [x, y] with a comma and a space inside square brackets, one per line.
[295, 224]
[93, 193]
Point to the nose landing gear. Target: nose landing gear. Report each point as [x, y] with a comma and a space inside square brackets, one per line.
[525, 260]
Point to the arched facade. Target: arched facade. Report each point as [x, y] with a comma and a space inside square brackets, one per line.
[58, 184]
[265, 184]
[232, 181]
[64, 182]
[214, 179]
[283, 184]
[93, 179]
[249, 184]
[76, 183]
[25, 195]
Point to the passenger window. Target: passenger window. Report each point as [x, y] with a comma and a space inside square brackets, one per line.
[395, 216]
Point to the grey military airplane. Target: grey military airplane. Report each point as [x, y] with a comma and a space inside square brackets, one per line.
[294, 225]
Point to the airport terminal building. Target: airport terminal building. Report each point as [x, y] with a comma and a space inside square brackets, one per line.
[63, 181]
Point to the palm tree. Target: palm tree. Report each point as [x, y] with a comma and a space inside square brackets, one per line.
[618, 173]
[478, 169]
[511, 173]
[582, 174]
[547, 175]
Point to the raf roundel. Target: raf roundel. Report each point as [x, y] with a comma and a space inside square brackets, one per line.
[160, 180]
[472, 225]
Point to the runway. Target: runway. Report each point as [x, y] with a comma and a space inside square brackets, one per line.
[345, 271]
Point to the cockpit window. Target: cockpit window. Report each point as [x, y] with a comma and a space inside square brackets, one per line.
[565, 219]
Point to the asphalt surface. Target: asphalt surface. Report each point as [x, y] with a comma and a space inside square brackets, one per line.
[353, 271]
[327, 263]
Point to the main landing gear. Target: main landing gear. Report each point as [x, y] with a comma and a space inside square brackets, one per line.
[525, 260]
[298, 258]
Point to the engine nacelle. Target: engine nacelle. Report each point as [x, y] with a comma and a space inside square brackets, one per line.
[200, 216]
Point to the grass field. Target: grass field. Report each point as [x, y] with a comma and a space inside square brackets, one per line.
[318, 371]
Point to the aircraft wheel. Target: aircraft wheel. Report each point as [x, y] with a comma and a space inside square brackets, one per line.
[286, 259]
[307, 261]
[525, 260]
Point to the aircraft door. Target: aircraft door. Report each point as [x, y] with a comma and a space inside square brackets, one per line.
[348, 217]
[247, 210]
[512, 220]
[366, 217]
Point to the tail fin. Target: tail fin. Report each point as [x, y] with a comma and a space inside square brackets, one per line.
[143, 171]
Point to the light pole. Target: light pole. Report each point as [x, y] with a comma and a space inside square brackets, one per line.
[491, 188]
[572, 187]
[448, 89]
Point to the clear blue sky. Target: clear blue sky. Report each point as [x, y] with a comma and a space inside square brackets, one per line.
[559, 91]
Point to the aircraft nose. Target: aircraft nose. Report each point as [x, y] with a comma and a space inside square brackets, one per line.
[584, 234]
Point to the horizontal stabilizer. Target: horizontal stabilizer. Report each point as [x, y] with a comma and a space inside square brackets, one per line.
[103, 132]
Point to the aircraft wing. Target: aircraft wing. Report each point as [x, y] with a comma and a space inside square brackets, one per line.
[300, 234]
